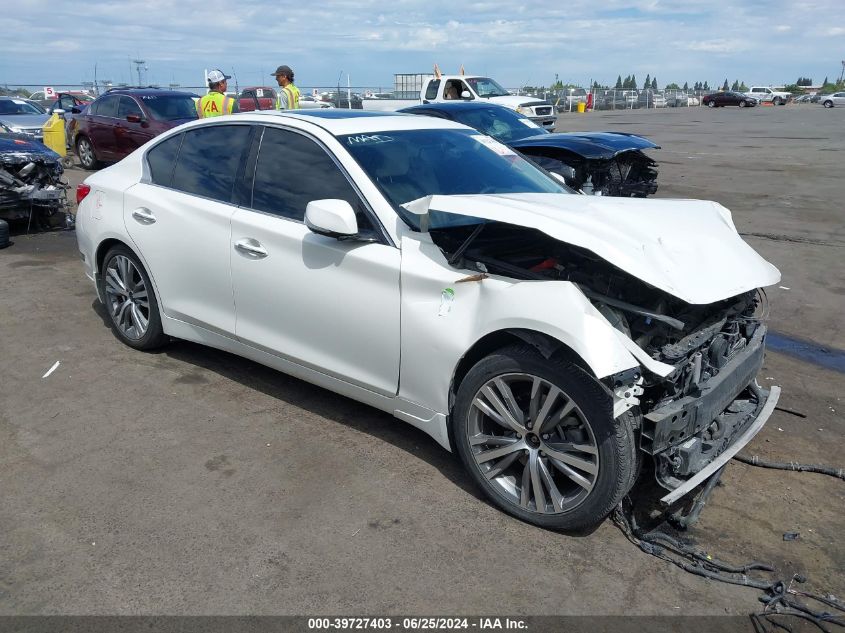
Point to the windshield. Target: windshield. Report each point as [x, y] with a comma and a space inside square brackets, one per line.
[18, 106]
[411, 164]
[170, 107]
[501, 123]
[486, 87]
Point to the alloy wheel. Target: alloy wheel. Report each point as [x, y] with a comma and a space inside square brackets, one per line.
[86, 153]
[127, 297]
[532, 443]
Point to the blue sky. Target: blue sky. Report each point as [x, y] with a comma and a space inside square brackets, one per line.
[773, 42]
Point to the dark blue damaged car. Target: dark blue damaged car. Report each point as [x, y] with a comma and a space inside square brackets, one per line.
[599, 163]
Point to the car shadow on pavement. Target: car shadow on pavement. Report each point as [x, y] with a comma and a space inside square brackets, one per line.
[363, 418]
[327, 404]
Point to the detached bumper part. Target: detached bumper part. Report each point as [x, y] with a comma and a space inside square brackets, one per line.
[728, 453]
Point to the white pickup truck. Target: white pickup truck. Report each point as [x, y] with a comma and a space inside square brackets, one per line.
[764, 94]
[470, 88]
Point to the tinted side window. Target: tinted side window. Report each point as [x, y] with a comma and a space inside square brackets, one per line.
[431, 90]
[128, 106]
[209, 159]
[108, 106]
[292, 170]
[161, 159]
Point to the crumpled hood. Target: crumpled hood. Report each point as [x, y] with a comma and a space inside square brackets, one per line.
[595, 145]
[514, 101]
[688, 248]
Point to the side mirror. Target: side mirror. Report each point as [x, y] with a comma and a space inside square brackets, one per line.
[332, 218]
[58, 111]
[134, 118]
[466, 95]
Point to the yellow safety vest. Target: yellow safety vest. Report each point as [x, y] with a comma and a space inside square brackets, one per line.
[292, 93]
[214, 104]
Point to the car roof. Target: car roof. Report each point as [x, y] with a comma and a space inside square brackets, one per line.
[147, 91]
[454, 106]
[339, 121]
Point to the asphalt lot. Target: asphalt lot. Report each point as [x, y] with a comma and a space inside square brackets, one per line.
[190, 481]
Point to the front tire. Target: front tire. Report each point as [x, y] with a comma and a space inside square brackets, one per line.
[742, 104]
[85, 151]
[130, 300]
[538, 437]
[828, 104]
[711, 104]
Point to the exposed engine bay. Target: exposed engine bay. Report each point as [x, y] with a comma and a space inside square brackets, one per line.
[31, 187]
[686, 419]
[628, 174]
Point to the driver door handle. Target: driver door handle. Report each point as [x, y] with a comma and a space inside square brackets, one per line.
[251, 248]
[144, 216]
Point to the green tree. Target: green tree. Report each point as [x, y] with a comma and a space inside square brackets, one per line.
[735, 86]
[654, 83]
[725, 85]
[618, 83]
[686, 86]
[647, 82]
[633, 82]
[673, 86]
[743, 87]
[795, 89]
[706, 87]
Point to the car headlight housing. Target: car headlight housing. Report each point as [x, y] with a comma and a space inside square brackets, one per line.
[523, 110]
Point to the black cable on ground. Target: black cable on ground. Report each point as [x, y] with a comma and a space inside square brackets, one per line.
[778, 596]
[754, 460]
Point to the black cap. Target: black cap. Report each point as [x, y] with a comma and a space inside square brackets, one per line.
[283, 70]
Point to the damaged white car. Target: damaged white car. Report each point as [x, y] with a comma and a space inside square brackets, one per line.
[552, 340]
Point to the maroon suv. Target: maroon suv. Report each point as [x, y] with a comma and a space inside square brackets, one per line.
[121, 120]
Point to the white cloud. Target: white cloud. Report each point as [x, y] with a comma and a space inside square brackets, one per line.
[718, 46]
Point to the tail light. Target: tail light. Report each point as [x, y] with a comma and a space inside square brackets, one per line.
[82, 190]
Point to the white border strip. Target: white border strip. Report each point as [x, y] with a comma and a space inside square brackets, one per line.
[721, 460]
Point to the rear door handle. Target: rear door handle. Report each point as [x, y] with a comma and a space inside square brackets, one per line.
[251, 248]
[144, 216]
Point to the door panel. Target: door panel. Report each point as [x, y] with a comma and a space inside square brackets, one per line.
[184, 241]
[330, 305]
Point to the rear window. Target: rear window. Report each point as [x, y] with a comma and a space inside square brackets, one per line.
[161, 159]
[209, 160]
[170, 107]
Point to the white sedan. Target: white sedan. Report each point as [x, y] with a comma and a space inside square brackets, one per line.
[552, 340]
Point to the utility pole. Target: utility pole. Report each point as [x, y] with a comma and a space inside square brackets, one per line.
[842, 74]
[138, 63]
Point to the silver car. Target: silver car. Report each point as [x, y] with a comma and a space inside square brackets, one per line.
[837, 98]
[22, 117]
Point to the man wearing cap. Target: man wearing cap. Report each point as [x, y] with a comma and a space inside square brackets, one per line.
[216, 102]
[289, 94]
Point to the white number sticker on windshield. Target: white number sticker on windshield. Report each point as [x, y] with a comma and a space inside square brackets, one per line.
[528, 122]
[496, 146]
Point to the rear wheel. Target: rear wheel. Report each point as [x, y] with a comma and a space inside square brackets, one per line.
[828, 104]
[85, 151]
[130, 301]
[538, 437]
[711, 104]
